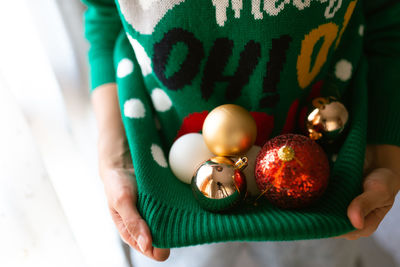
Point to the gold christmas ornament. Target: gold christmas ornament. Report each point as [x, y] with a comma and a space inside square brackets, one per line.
[328, 119]
[229, 130]
[219, 184]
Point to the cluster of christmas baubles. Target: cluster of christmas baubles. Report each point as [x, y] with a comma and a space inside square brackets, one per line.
[223, 165]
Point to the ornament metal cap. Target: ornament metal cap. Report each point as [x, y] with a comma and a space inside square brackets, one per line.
[241, 163]
[286, 153]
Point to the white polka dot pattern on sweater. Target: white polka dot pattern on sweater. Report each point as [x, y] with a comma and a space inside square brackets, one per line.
[134, 109]
[343, 70]
[361, 30]
[161, 101]
[125, 67]
[158, 155]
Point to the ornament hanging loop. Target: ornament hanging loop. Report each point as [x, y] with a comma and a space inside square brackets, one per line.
[241, 163]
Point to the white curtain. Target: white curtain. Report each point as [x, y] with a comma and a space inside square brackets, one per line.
[52, 208]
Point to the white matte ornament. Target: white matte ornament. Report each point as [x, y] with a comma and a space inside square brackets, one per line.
[187, 153]
[251, 155]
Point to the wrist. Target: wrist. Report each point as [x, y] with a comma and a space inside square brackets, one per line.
[114, 152]
[385, 156]
[112, 144]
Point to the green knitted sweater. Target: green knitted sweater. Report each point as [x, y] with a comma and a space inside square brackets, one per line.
[175, 60]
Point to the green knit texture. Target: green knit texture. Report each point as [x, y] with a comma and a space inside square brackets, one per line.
[175, 218]
[102, 26]
[195, 59]
[382, 47]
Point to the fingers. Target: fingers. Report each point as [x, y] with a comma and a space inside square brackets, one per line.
[361, 206]
[377, 194]
[383, 180]
[121, 192]
[134, 230]
[372, 222]
[367, 210]
[161, 254]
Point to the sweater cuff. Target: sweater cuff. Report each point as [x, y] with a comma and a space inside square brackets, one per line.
[101, 71]
[384, 101]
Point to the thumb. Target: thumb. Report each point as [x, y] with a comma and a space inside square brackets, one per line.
[375, 195]
[140, 236]
[360, 207]
[135, 225]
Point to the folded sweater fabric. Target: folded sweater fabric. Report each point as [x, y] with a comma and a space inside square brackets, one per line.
[175, 60]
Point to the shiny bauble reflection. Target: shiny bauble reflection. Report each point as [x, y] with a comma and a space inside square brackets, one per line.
[327, 120]
[229, 130]
[252, 188]
[219, 184]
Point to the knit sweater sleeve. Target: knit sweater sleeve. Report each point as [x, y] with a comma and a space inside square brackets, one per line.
[102, 26]
[382, 48]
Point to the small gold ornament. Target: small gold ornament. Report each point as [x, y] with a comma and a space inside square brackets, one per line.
[328, 119]
[219, 184]
[229, 130]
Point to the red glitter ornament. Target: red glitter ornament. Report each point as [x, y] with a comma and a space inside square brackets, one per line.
[292, 171]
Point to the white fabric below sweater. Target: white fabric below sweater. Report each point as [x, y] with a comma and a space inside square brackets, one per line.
[310, 253]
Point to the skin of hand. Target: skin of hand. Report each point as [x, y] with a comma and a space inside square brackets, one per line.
[380, 187]
[117, 174]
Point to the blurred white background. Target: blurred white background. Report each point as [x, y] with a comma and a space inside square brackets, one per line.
[52, 208]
